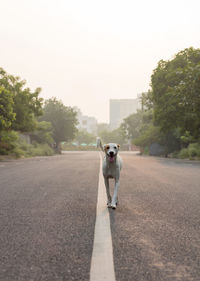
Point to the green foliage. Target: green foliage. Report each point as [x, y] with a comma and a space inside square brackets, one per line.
[23, 104]
[171, 141]
[12, 144]
[101, 127]
[7, 116]
[186, 138]
[115, 136]
[131, 126]
[8, 141]
[62, 118]
[183, 153]
[176, 93]
[43, 133]
[140, 129]
[71, 147]
[174, 103]
[191, 152]
[23, 149]
[39, 150]
[27, 106]
[150, 135]
[84, 137]
[194, 150]
[147, 101]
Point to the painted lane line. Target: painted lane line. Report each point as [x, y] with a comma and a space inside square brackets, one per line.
[102, 266]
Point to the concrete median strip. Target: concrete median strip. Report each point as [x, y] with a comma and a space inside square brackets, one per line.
[102, 266]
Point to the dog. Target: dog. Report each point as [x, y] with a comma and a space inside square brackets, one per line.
[112, 165]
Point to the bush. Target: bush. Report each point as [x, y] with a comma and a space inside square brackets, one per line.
[175, 154]
[69, 147]
[17, 152]
[8, 141]
[146, 150]
[183, 153]
[40, 150]
[194, 150]
[30, 150]
[11, 144]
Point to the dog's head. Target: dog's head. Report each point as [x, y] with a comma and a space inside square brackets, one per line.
[111, 150]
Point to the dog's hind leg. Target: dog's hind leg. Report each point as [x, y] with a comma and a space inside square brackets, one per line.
[114, 199]
[106, 180]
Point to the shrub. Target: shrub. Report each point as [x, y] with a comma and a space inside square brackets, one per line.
[8, 141]
[40, 150]
[194, 150]
[175, 154]
[17, 152]
[183, 153]
[11, 144]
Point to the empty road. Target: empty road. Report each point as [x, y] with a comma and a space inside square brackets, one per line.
[48, 213]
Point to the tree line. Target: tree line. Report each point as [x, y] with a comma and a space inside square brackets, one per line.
[169, 117]
[170, 114]
[23, 111]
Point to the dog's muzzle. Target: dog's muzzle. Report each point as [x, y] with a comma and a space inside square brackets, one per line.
[111, 156]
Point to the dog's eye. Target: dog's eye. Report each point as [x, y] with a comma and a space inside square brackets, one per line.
[115, 147]
[108, 147]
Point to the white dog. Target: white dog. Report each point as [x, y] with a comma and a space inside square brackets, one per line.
[112, 165]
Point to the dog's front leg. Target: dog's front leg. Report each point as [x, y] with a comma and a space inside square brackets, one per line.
[114, 199]
[106, 180]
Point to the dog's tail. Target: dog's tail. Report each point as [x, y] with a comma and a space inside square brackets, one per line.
[99, 144]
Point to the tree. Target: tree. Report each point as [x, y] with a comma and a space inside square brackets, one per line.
[62, 118]
[176, 93]
[84, 137]
[115, 136]
[101, 127]
[26, 104]
[27, 107]
[147, 101]
[8, 140]
[139, 128]
[7, 116]
[43, 133]
[131, 125]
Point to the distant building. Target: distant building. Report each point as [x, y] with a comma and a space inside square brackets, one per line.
[86, 122]
[122, 108]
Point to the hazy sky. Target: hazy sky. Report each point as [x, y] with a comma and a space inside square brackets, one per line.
[86, 52]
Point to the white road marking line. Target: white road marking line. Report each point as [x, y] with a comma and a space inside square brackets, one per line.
[102, 265]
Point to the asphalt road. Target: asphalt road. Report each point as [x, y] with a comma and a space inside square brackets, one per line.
[47, 217]
[48, 210]
[156, 229]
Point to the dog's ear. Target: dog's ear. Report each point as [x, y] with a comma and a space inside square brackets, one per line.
[118, 146]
